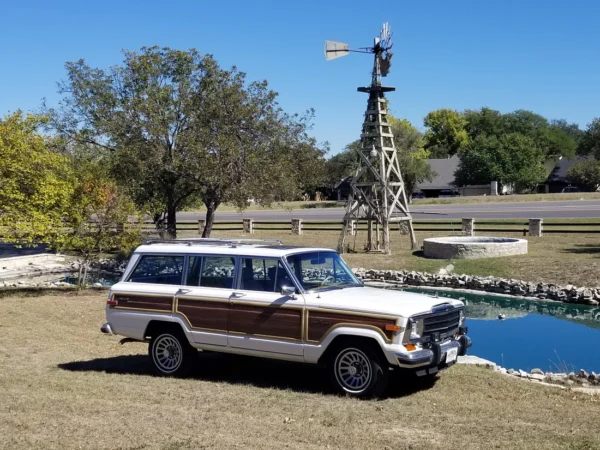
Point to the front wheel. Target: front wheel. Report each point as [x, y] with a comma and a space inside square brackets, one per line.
[357, 371]
[170, 353]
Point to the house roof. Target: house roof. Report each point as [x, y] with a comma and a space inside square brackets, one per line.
[444, 168]
[559, 173]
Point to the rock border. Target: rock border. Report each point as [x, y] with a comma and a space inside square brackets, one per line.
[582, 381]
[478, 284]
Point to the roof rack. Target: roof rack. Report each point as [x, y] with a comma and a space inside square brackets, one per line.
[213, 241]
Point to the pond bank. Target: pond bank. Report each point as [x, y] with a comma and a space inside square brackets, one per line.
[581, 382]
[544, 291]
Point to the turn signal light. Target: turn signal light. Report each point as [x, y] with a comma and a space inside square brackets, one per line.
[111, 302]
[393, 328]
[410, 347]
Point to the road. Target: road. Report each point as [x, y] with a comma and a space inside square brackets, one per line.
[545, 210]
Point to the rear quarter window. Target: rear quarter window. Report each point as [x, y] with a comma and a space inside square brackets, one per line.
[158, 269]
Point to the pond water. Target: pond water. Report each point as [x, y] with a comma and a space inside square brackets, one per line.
[551, 336]
[104, 278]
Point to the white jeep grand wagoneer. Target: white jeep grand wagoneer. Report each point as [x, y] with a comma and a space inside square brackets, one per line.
[265, 299]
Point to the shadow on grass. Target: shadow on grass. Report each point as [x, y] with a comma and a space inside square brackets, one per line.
[246, 370]
[582, 249]
[419, 254]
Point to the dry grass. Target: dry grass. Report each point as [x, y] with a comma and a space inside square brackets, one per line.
[510, 198]
[557, 258]
[64, 385]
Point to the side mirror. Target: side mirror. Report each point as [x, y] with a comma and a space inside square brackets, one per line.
[288, 290]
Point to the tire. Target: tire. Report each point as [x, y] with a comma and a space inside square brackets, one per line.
[171, 354]
[356, 370]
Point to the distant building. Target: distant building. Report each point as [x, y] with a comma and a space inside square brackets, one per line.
[557, 179]
[444, 185]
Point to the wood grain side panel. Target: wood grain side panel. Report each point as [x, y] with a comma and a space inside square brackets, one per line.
[319, 323]
[266, 320]
[204, 313]
[144, 302]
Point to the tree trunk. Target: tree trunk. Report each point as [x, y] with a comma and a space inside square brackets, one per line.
[211, 207]
[159, 223]
[172, 221]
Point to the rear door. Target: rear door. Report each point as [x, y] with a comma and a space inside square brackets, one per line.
[260, 317]
[203, 301]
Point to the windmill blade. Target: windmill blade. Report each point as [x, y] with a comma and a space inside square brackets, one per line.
[335, 50]
[386, 35]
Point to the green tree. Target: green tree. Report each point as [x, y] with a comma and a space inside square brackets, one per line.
[590, 141]
[446, 132]
[101, 218]
[179, 127]
[412, 156]
[508, 159]
[485, 121]
[36, 184]
[585, 174]
[556, 138]
[342, 165]
[571, 129]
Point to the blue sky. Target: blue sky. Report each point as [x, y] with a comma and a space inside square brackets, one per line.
[504, 54]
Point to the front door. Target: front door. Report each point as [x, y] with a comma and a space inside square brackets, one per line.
[204, 299]
[260, 317]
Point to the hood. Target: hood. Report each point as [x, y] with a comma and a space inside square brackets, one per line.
[378, 301]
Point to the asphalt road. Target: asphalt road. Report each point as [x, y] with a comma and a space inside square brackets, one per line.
[529, 210]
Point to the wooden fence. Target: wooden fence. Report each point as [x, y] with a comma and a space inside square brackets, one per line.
[458, 226]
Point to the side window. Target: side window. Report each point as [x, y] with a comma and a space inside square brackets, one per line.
[158, 269]
[217, 272]
[267, 275]
[193, 271]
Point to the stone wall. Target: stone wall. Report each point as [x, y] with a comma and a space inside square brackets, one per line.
[567, 293]
[466, 247]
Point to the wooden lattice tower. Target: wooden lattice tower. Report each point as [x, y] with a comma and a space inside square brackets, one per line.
[378, 193]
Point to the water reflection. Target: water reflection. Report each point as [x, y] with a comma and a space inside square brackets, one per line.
[551, 336]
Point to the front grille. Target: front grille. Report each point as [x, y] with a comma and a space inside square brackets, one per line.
[446, 324]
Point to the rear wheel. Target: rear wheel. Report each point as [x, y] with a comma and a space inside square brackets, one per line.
[357, 371]
[170, 353]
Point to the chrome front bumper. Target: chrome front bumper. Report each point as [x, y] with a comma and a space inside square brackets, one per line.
[105, 328]
[432, 356]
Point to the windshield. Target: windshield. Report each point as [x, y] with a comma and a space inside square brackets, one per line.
[319, 270]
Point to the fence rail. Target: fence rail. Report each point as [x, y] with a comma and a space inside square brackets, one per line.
[533, 227]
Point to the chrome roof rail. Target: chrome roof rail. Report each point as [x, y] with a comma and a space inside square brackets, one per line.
[213, 241]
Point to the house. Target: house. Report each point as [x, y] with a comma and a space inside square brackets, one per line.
[443, 184]
[557, 178]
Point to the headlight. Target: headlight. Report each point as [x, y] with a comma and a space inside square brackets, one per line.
[461, 320]
[414, 330]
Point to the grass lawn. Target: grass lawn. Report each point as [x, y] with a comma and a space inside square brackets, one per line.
[553, 258]
[65, 385]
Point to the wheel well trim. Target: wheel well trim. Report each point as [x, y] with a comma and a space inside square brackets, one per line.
[358, 333]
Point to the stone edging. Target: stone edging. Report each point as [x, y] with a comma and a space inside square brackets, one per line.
[502, 286]
[581, 381]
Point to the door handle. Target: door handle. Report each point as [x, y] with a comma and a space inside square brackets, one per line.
[183, 291]
[239, 294]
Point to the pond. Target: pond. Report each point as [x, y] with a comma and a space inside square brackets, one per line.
[551, 336]
[93, 277]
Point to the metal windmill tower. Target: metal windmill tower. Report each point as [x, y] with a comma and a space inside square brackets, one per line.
[378, 193]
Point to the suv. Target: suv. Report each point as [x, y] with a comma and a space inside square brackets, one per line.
[262, 298]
